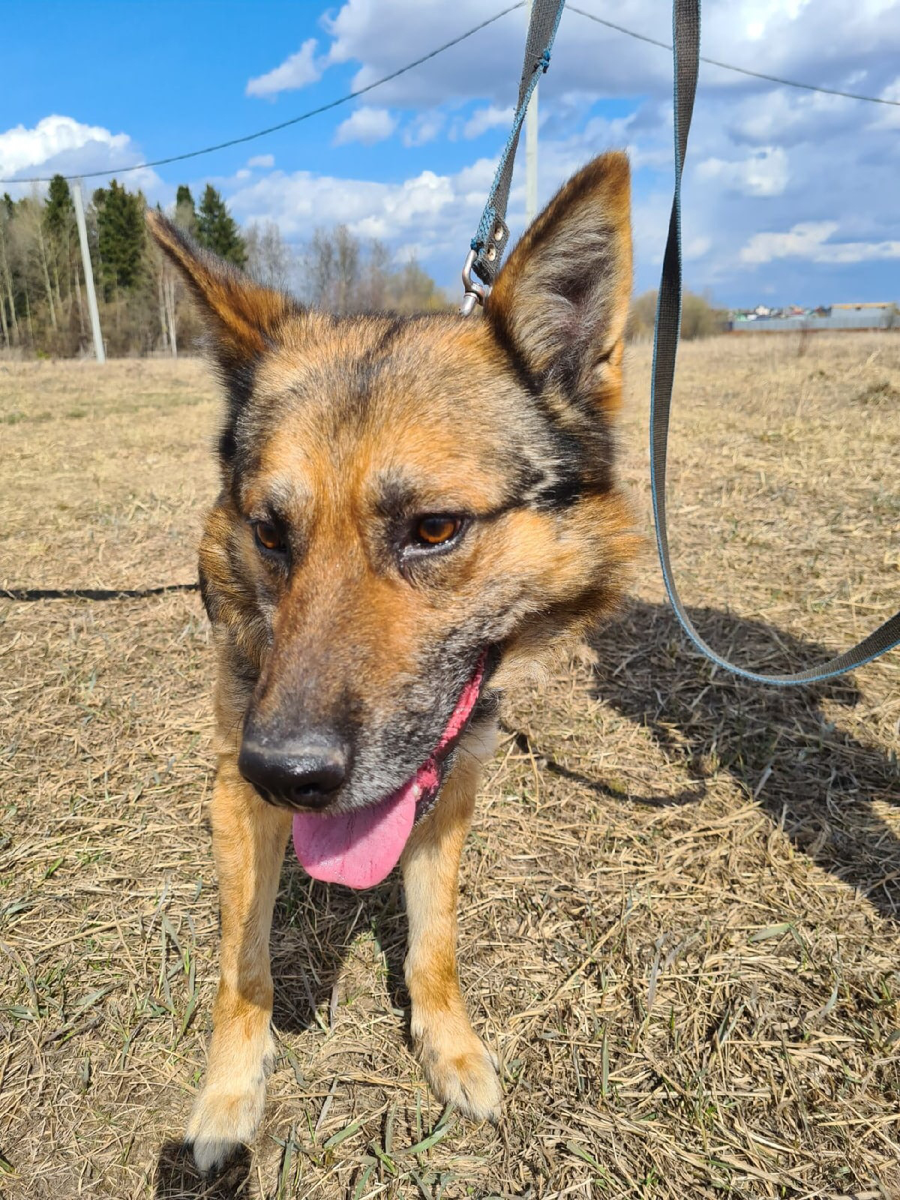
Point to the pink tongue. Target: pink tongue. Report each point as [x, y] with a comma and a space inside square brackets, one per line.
[361, 848]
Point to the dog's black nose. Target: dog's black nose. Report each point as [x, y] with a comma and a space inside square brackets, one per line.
[302, 774]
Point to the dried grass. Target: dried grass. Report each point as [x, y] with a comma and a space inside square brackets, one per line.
[681, 904]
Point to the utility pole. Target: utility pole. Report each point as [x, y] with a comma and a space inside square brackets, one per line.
[78, 200]
[531, 150]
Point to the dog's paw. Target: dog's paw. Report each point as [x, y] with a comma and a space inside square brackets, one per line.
[222, 1122]
[462, 1071]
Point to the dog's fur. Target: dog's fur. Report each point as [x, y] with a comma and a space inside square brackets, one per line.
[343, 432]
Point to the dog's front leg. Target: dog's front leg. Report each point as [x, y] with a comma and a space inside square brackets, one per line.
[249, 837]
[457, 1065]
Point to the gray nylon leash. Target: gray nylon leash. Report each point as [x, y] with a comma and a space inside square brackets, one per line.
[686, 48]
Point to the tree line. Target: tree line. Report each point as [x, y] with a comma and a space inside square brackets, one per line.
[143, 306]
[699, 317]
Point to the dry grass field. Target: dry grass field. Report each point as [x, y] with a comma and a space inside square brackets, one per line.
[680, 927]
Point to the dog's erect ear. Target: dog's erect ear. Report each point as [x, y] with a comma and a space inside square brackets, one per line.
[561, 302]
[243, 317]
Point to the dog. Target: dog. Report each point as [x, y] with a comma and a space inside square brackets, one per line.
[413, 512]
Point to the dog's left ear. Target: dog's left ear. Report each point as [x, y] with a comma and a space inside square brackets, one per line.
[243, 317]
[561, 302]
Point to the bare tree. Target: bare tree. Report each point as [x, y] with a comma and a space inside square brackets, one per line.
[270, 260]
[415, 291]
[6, 293]
[165, 293]
[320, 269]
[31, 224]
[344, 277]
[10, 326]
[375, 282]
[346, 269]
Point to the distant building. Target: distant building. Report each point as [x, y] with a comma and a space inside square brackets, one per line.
[867, 304]
[873, 314]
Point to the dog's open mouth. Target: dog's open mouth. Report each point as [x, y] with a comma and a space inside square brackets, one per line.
[361, 848]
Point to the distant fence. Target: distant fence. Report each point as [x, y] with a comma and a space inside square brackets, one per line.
[863, 319]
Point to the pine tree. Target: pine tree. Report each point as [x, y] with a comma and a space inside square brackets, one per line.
[7, 297]
[185, 210]
[120, 235]
[59, 223]
[217, 230]
[58, 209]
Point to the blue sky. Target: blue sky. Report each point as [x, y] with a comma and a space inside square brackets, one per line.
[790, 195]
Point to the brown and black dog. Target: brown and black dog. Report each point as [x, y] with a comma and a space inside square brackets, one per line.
[412, 513]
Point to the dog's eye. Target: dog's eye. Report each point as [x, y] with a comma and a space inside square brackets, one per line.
[269, 537]
[436, 530]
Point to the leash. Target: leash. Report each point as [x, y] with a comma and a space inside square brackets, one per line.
[28, 595]
[484, 259]
[686, 49]
[487, 246]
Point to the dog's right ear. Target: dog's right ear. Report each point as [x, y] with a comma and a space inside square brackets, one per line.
[243, 317]
[560, 303]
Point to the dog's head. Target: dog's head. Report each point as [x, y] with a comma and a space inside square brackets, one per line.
[411, 509]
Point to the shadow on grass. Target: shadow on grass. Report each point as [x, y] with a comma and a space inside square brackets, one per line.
[814, 780]
[313, 929]
[178, 1179]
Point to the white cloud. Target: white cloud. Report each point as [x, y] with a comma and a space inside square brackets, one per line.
[809, 240]
[384, 36]
[261, 160]
[438, 213]
[785, 117]
[762, 173]
[484, 119]
[423, 129]
[295, 72]
[756, 26]
[62, 144]
[21, 148]
[696, 247]
[366, 125]
[803, 241]
[795, 38]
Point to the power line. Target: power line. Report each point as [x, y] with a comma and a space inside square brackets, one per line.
[809, 87]
[313, 112]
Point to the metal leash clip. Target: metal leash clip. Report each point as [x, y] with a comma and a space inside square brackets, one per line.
[490, 239]
[474, 292]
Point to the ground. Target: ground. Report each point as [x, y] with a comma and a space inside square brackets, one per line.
[680, 924]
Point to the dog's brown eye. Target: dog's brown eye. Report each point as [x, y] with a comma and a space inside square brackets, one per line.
[437, 530]
[268, 536]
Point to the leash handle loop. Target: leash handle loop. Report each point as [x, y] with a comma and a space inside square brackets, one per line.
[686, 47]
